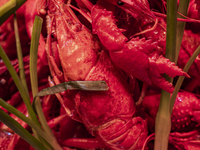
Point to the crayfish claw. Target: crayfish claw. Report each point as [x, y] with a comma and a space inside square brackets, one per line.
[164, 65]
[146, 46]
[159, 80]
[164, 84]
[160, 65]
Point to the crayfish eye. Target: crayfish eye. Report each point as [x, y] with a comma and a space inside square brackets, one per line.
[53, 35]
[120, 3]
[77, 27]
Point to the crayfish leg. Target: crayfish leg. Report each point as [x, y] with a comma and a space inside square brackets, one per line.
[55, 121]
[90, 104]
[85, 143]
[143, 93]
[32, 9]
[52, 53]
[65, 101]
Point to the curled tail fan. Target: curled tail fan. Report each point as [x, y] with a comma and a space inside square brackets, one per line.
[129, 134]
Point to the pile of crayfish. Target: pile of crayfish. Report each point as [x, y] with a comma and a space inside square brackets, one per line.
[121, 42]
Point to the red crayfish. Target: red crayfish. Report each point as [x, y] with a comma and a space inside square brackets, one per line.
[136, 57]
[107, 115]
[108, 52]
[185, 118]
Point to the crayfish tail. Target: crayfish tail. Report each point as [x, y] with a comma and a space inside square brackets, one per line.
[124, 134]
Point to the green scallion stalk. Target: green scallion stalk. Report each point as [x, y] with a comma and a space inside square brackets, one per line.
[27, 120]
[19, 84]
[9, 8]
[181, 78]
[183, 9]
[34, 80]
[19, 55]
[37, 27]
[163, 117]
[23, 133]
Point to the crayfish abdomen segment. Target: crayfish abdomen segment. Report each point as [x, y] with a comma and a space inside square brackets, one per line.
[117, 101]
[129, 134]
[109, 115]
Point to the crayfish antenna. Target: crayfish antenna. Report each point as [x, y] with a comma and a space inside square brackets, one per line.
[148, 139]
[85, 15]
[147, 30]
[55, 121]
[143, 93]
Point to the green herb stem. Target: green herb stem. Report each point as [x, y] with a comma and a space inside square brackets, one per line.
[34, 79]
[19, 85]
[163, 123]
[183, 9]
[163, 117]
[181, 78]
[9, 8]
[20, 55]
[27, 120]
[37, 27]
[75, 85]
[171, 29]
[23, 133]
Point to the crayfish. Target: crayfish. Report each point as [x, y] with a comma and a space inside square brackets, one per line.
[96, 40]
[81, 58]
[185, 118]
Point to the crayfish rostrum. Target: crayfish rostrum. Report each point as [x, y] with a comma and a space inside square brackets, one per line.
[122, 43]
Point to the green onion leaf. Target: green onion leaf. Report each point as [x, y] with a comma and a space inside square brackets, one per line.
[23, 133]
[181, 78]
[27, 120]
[20, 55]
[75, 85]
[34, 80]
[37, 27]
[19, 85]
[163, 117]
[9, 8]
[183, 9]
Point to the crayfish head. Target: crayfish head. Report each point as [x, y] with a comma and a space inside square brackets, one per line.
[76, 46]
